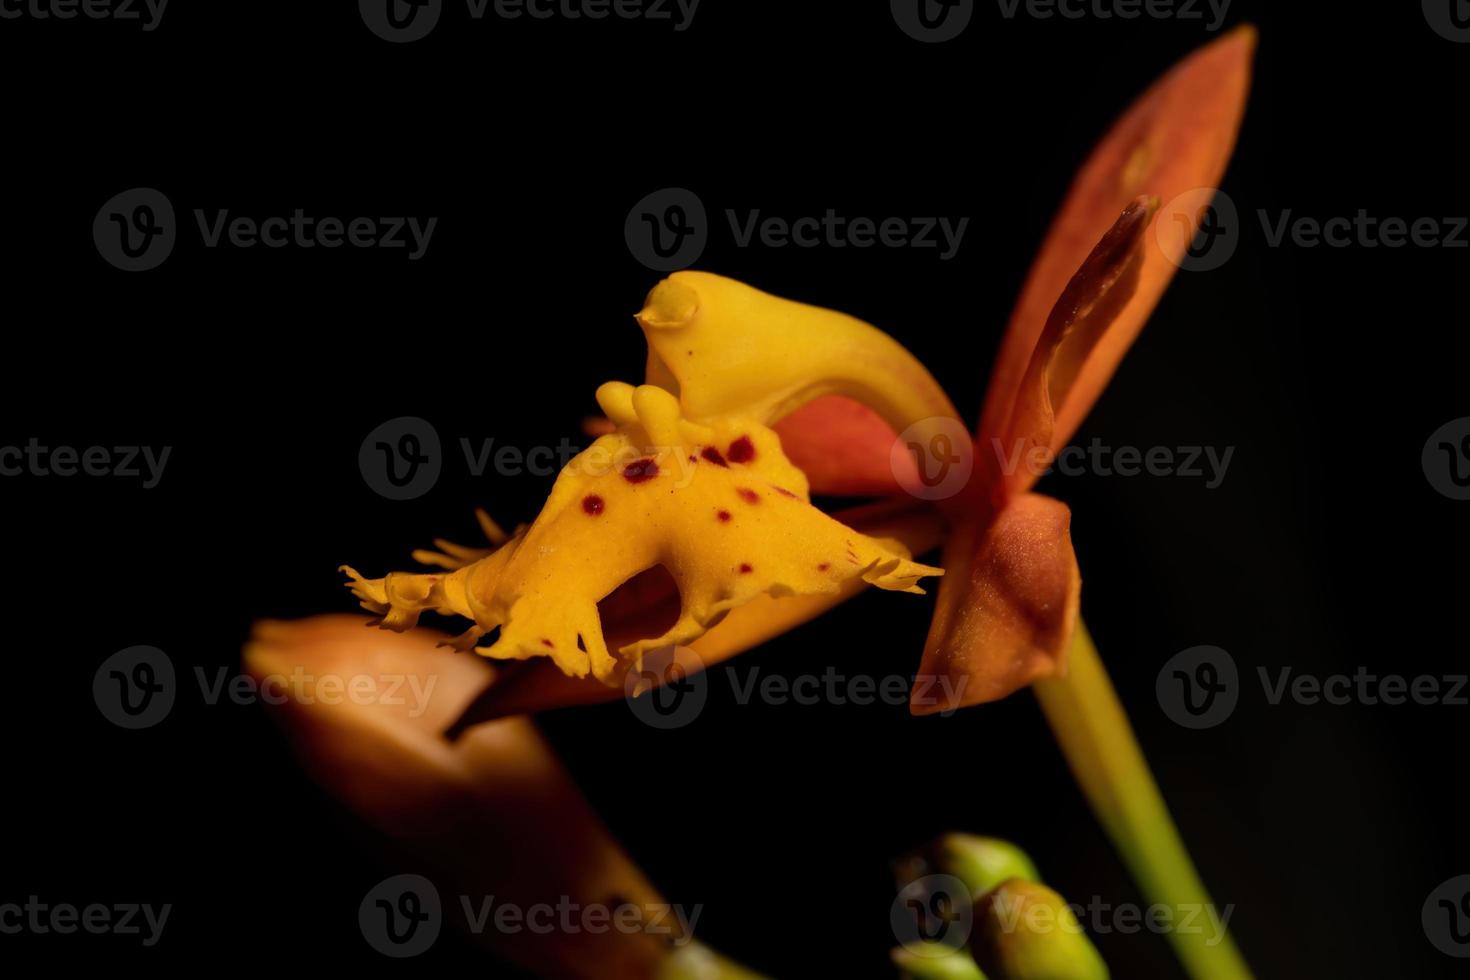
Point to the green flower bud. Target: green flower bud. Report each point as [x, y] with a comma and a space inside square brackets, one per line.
[935, 961]
[1025, 931]
[982, 862]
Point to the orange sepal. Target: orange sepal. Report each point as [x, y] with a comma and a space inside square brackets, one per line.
[1017, 612]
[1175, 138]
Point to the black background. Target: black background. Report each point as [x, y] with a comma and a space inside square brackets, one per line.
[1324, 549]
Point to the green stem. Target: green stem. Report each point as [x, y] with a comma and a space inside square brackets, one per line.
[1093, 731]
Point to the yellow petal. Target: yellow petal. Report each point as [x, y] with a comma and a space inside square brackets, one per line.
[725, 347]
[540, 687]
[714, 502]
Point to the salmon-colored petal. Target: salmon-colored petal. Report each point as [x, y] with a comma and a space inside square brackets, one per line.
[1089, 305]
[538, 686]
[493, 814]
[845, 449]
[1016, 611]
[1176, 138]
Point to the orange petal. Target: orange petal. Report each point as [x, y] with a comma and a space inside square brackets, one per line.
[1016, 612]
[1177, 137]
[844, 448]
[494, 814]
[1089, 305]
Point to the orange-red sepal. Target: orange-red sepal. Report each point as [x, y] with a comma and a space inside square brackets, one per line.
[1017, 609]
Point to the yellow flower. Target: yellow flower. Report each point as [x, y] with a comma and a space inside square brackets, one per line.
[713, 502]
[690, 522]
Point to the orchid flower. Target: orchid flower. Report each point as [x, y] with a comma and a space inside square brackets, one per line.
[689, 526]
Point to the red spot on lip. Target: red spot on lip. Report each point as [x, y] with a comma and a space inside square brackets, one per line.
[713, 455]
[745, 569]
[748, 495]
[742, 450]
[641, 470]
[548, 643]
[723, 515]
[823, 567]
[592, 504]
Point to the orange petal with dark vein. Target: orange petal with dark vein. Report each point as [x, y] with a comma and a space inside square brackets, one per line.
[1017, 616]
[844, 448]
[1089, 305]
[1176, 138]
